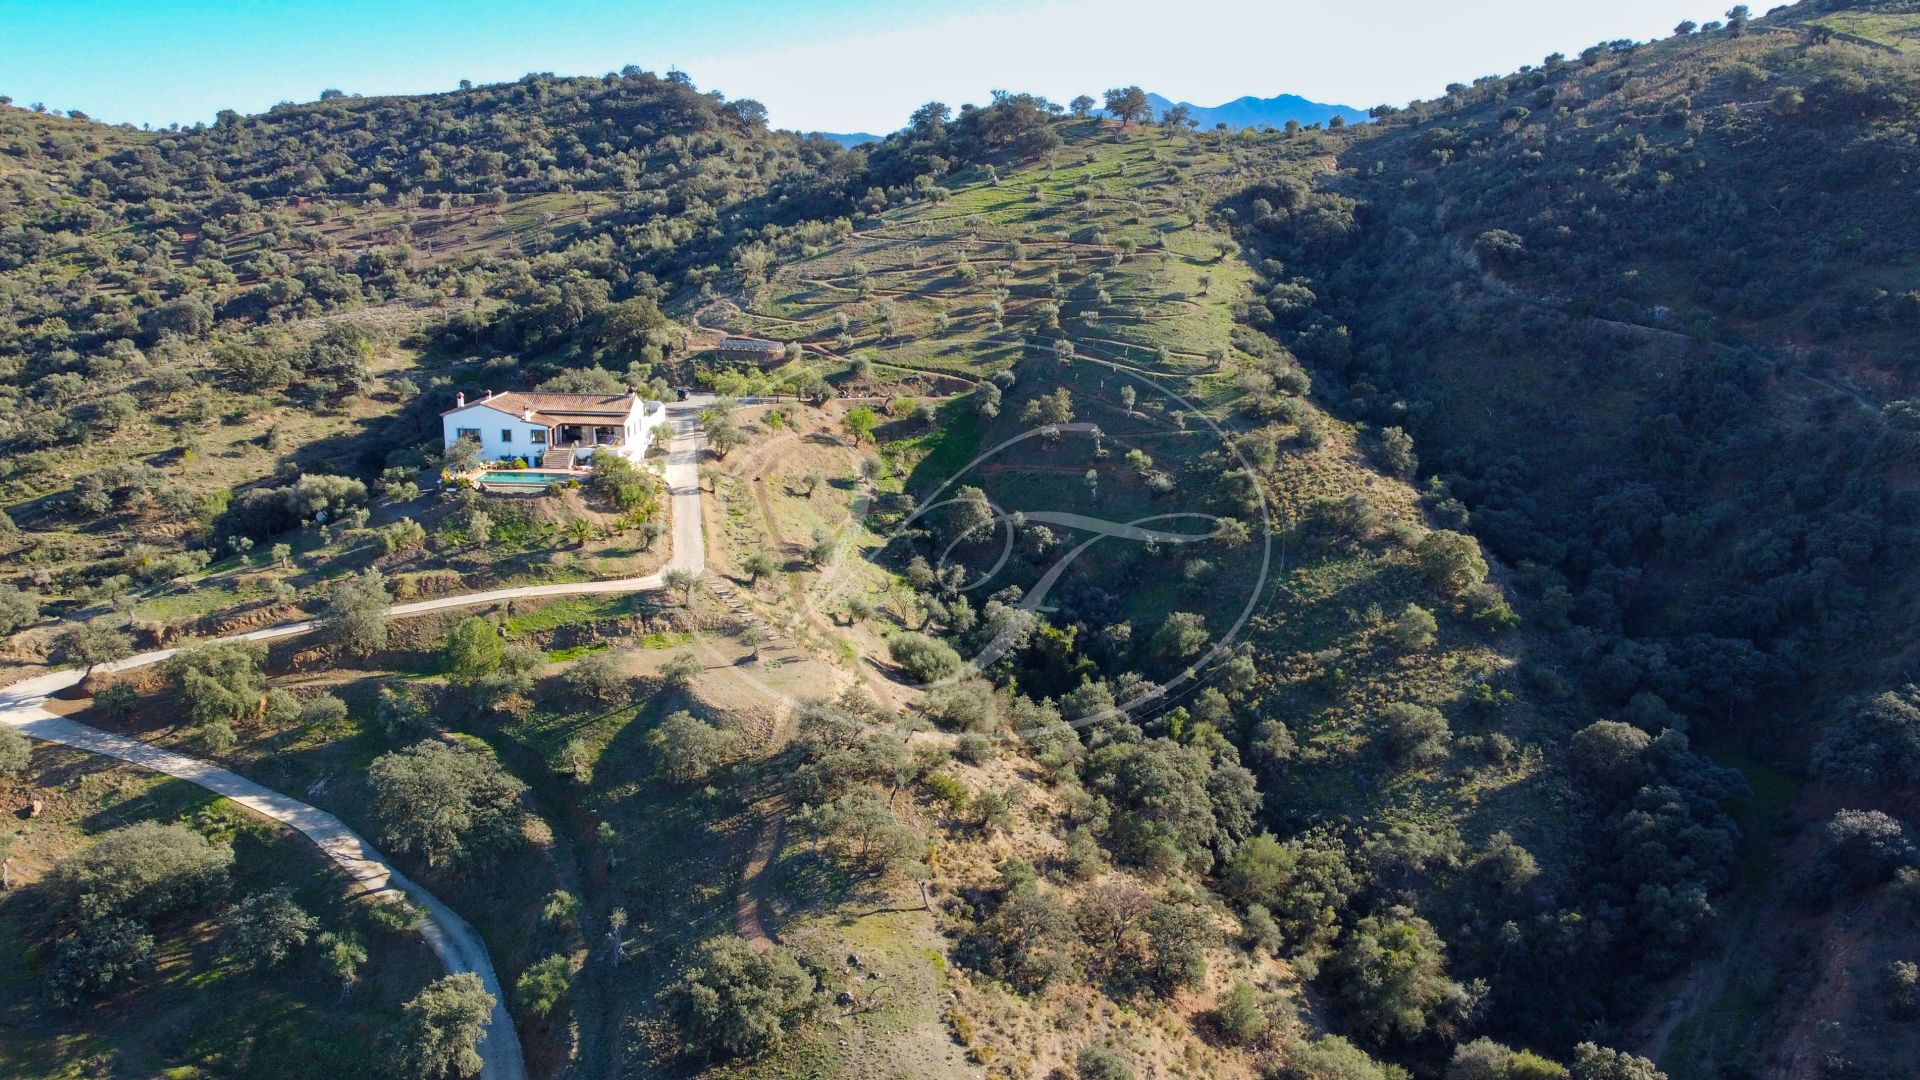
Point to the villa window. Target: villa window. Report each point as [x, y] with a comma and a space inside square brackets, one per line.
[539, 437]
[506, 434]
[467, 433]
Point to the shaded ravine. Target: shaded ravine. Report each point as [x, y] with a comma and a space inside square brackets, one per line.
[453, 940]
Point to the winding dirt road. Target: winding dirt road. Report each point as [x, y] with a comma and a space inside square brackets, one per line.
[459, 947]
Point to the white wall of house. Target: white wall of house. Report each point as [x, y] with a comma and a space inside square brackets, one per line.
[636, 433]
[501, 434]
[505, 434]
[648, 418]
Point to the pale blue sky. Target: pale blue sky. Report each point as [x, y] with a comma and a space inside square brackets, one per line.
[840, 65]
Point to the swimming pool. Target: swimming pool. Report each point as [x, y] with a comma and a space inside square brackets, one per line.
[529, 479]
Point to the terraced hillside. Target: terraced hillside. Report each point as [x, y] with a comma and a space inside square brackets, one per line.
[1069, 683]
[1101, 273]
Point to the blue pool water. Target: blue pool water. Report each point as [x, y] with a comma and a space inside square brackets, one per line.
[520, 478]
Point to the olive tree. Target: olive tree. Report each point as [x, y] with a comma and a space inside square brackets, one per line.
[268, 928]
[142, 871]
[91, 644]
[688, 749]
[1127, 104]
[17, 609]
[444, 1024]
[685, 581]
[859, 829]
[736, 1002]
[759, 564]
[358, 614]
[598, 676]
[445, 803]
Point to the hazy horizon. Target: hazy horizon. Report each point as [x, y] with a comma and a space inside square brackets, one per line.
[833, 65]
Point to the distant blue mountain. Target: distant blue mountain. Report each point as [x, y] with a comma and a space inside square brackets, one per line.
[1253, 112]
[848, 139]
[1246, 112]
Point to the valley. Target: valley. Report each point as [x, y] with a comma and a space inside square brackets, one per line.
[1112, 596]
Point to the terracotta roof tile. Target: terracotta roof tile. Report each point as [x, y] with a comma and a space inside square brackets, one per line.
[556, 408]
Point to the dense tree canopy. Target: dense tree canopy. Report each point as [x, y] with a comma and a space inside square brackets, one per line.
[446, 803]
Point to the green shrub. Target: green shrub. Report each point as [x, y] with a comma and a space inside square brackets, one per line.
[446, 803]
[1240, 1016]
[266, 929]
[735, 1002]
[100, 958]
[444, 1025]
[143, 871]
[15, 753]
[688, 749]
[1102, 1062]
[927, 659]
[542, 986]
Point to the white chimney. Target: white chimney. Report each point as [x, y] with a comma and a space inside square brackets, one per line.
[460, 400]
[527, 414]
[489, 395]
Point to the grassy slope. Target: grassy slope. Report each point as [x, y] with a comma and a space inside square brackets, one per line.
[1318, 634]
[1311, 597]
[328, 766]
[197, 1014]
[1325, 669]
[225, 433]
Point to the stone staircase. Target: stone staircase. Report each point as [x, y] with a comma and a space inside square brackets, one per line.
[728, 597]
[778, 638]
[557, 457]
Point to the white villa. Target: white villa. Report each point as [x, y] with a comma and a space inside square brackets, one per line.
[555, 431]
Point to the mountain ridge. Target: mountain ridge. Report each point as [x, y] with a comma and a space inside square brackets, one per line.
[849, 139]
[1248, 111]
